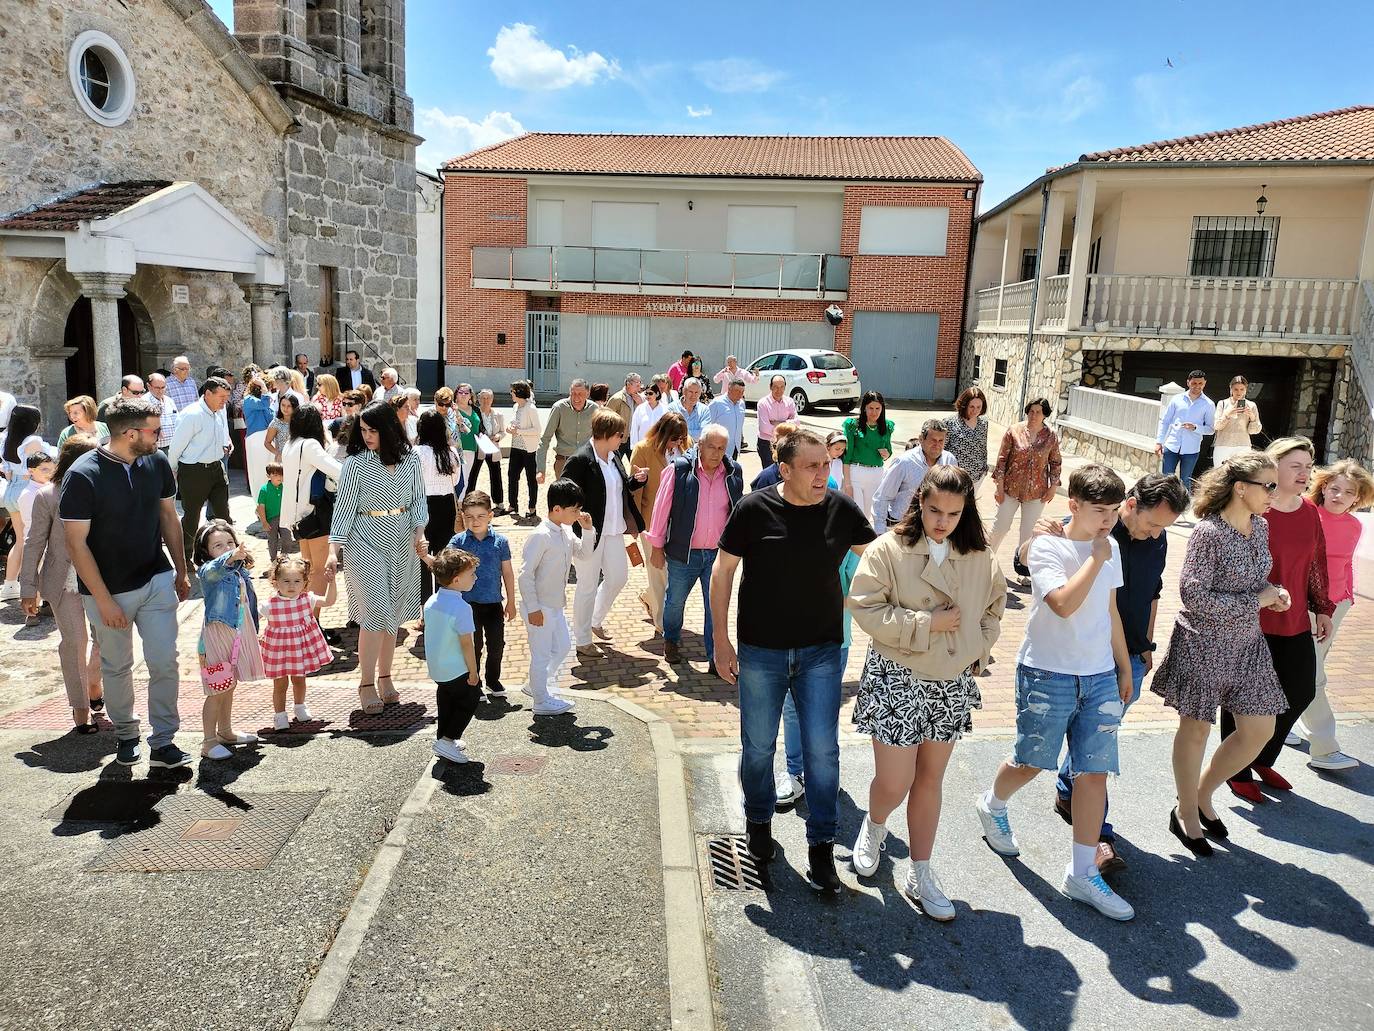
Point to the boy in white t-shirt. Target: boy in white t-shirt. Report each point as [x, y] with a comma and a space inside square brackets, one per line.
[1073, 678]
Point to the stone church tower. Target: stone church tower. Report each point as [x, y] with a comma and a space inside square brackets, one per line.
[339, 66]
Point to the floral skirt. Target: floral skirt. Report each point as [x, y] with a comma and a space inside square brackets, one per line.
[898, 708]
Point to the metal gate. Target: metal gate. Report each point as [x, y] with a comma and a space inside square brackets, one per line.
[895, 352]
[541, 350]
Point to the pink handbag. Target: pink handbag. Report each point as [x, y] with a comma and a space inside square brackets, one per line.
[219, 676]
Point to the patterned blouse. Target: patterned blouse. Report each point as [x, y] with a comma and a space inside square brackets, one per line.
[969, 446]
[1026, 468]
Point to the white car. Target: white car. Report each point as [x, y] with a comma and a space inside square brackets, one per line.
[813, 377]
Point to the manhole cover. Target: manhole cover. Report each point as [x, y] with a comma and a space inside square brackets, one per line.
[516, 764]
[195, 831]
[732, 867]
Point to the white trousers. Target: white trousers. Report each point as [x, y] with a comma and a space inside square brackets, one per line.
[657, 580]
[549, 647]
[256, 456]
[1318, 723]
[600, 577]
[1221, 454]
[1006, 511]
[864, 479]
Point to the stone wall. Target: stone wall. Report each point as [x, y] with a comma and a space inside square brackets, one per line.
[1314, 400]
[1131, 462]
[1047, 378]
[1352, 428]
[1102, 369]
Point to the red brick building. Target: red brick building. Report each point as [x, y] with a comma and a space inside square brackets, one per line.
[572, 255]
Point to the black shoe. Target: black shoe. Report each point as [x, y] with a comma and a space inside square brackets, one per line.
[98, 704]
[128, 752]
[1197, 846]
[761, 845]
[1064, 807]
[86, 728]
[821, 875]
[333, 637]
[497, 692]
[1215, 828]
[168, 756]
[352, 624]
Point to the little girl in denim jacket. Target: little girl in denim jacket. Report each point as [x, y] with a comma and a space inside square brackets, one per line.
[228, 644]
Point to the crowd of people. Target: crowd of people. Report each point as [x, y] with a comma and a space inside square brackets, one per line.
[350, 477]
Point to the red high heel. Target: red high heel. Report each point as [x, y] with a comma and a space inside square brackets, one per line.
[1272, 777]
[1246, 789]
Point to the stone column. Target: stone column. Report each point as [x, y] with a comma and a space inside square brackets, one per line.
[105, 289]
[261, 297]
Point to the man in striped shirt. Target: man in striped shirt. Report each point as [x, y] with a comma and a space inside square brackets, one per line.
[182, 388]
[157, 387]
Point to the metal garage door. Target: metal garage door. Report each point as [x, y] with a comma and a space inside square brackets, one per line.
[895, 352]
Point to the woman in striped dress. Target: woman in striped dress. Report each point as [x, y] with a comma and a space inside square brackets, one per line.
[378, 528]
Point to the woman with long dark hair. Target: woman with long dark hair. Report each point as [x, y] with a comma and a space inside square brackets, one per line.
[280, 429]
[911, 594]
[378, 531]
[309, 478]
[20, 441]
[441, 469]
[868, 444]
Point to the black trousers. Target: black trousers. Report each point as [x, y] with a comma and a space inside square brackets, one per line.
[493, 464]
[198, 484]
[521, 462]
[1295, 661]
[443, 510]
[456, 701]
[489, 619]
[765, 452]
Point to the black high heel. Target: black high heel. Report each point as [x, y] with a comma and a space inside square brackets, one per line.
[1197, 846]
[1215, 828]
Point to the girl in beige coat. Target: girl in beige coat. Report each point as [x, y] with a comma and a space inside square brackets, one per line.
[930, 597]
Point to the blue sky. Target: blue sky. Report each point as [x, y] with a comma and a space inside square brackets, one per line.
[1018, 87]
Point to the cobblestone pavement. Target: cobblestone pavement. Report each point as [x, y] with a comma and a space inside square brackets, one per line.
[630, 665]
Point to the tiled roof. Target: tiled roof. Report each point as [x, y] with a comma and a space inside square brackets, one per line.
[884, 158]
[1343, 135]
[86, 205]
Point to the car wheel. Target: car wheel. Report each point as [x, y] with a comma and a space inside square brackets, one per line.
[799, 399]
[846, 406]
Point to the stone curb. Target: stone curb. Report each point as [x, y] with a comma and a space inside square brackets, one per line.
[691, 1001]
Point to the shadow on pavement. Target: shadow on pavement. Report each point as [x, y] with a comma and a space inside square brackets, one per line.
[70, 753]
[564, 732]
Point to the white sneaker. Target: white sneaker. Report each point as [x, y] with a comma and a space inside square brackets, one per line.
[281, 721]
[868, 847]
[9, 591]
[924, 890]
[1333, 761]
[790, 789]
[1292, 740]
[554, 707]
[302, 713]
[446, 748]
[997, 829]
[1097, 893]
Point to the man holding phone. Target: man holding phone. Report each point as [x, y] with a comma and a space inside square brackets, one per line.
[1185, 420]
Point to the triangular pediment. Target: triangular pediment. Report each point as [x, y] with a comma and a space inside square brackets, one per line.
[183, 226]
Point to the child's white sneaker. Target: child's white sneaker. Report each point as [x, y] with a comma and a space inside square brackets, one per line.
[447, 748]
[302, 713]
[281, 721]
[553, 707]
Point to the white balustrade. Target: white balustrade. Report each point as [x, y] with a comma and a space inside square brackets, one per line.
[1123, 412]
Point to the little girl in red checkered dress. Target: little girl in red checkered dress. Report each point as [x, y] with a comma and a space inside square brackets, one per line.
[293, 645]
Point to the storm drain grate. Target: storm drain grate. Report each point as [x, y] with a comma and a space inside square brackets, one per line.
[517, 765]
[732, 867]
[196, 831]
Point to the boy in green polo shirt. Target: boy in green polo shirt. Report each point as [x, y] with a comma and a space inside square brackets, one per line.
[279, 537]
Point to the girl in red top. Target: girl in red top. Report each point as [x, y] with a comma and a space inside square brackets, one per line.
[1298, 548]
[1337, 491]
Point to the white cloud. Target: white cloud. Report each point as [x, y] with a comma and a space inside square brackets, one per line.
[1165, 101]
[521, 60]
[737, 75]
[447, 136]
[1057, 95]
[699, 112]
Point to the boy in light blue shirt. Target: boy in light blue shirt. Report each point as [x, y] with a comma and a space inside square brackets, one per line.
[449, 650]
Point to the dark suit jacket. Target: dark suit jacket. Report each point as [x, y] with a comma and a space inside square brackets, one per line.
[309, 382]
[346, 381]
[582, 468]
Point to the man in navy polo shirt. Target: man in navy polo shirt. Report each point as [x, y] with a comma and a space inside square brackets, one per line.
[1150, 508]
[119, 516]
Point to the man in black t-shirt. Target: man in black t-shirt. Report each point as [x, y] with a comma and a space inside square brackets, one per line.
[790, 539]
[119, 517]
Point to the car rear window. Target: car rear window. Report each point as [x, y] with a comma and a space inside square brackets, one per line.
[831, 361]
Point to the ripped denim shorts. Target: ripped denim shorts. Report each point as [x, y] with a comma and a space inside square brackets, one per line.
[1051, 706]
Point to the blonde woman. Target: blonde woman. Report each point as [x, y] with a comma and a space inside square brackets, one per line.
[81, 413]
[328, 398]
[665, 441]
[1217, 654]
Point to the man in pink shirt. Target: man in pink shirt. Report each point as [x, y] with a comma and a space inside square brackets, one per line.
[773, 411]
[696, 495]
[678, 371]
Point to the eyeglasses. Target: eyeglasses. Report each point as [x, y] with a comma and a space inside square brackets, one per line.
[463, 390]
[138, 393]
[441, 404]
[1270, 486]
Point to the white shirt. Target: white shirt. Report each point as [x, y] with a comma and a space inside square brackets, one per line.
[7, 403]
[644, 418]
[524, 426]
[543, 579]
[1080, 645]
[355, 377]
[939, 550]
[613, 522]
[26, 497]
[436, 483]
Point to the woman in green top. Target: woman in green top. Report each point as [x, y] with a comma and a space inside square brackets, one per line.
[81, 414]
[868, 444]
[469, 424]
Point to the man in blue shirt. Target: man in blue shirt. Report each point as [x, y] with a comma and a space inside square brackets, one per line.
[489, 609]
[1185, 420]
[728, 411]
[691, 408]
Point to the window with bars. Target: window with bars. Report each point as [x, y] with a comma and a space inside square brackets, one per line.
[617, 340]
[1233, 245]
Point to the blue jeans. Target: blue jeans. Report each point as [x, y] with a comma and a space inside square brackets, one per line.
[682, 576]
[812, 677]
[1183, 463]
[791, 726]
[1065, 783]
[1051, 707]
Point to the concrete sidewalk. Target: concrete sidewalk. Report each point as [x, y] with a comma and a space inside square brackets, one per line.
[1270, 933]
